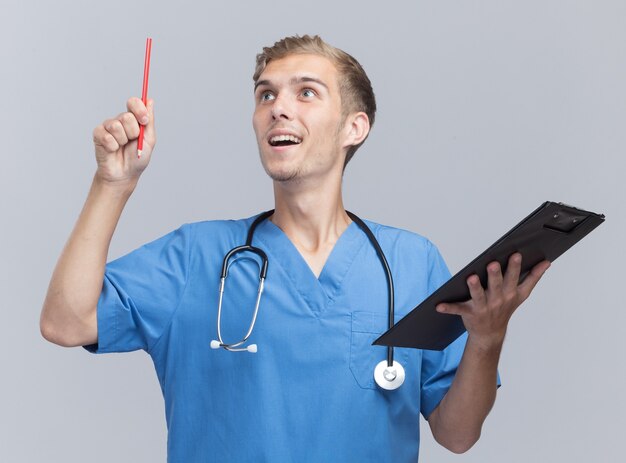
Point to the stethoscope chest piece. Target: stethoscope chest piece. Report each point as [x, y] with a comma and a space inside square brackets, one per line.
[389, 377]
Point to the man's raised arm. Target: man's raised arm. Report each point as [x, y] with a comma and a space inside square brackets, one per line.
[68, 316]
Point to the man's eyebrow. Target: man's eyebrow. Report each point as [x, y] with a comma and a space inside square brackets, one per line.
[299, 80]
[293, 81]
[260, 82]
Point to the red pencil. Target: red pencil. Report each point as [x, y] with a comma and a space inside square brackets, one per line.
[144, 92]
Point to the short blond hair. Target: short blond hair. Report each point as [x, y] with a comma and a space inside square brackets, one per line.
[354, 86]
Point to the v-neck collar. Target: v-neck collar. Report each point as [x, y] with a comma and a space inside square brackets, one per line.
[317, 292]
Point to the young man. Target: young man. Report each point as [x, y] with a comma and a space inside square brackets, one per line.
[309, 393]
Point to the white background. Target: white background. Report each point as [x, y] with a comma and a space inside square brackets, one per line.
[486, 109]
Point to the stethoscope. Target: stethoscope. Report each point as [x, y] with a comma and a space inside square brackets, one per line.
[388, 374]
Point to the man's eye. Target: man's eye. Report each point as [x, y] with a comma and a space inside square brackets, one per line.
[307, 92]
[267, 96]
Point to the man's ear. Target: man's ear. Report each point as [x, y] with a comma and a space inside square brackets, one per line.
[357, 128]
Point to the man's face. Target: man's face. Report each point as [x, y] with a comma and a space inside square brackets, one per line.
[297, 118]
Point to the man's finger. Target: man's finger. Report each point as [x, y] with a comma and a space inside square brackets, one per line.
[130, 124]
[461, 308]
[149, 131]
[116, 129]
[103, 138]
[494, 282]
[476, 290]
[513, 270]
[139, 110]
[531, 280]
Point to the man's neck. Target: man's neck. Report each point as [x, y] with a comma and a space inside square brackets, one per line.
[312, 216]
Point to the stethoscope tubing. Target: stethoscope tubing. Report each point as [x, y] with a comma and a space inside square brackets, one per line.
[234, 347]
[263, 273]
[385, 264]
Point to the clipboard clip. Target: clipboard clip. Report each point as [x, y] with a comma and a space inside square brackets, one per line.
[564, 220]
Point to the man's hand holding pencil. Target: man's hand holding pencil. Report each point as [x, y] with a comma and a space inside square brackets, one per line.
[116, 140]
[130, 134]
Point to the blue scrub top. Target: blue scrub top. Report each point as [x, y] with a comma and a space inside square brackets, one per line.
[309, 393]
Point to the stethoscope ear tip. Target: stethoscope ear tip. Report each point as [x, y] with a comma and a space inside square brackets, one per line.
[252, 348]
[215, 344]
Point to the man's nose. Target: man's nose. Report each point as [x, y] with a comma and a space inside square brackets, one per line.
[282, 108]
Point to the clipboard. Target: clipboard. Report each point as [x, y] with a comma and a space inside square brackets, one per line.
[545, 234]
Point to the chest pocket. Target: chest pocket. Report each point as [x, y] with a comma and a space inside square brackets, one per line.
[366, 328]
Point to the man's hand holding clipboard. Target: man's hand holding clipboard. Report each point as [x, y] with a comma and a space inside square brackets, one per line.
[486, 315]
[482, 296]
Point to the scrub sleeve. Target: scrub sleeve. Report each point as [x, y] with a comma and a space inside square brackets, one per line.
[141, 293]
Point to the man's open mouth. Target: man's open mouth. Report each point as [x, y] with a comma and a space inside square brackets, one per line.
[284, 140]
